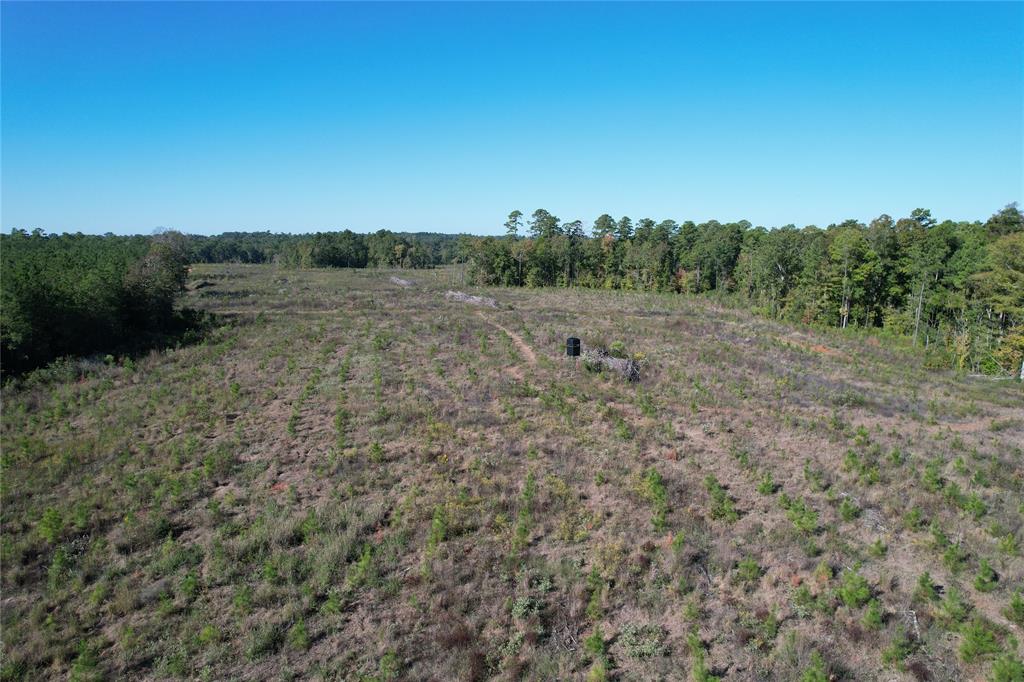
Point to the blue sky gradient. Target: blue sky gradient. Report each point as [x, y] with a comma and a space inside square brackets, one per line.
[444, 117]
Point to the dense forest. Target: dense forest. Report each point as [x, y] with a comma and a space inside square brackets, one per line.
[76, 294]
[955, 288]
[327, 249]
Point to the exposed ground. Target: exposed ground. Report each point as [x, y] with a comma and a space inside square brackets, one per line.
[356, 480]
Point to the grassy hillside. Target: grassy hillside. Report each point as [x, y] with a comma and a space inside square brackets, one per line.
[352, 479]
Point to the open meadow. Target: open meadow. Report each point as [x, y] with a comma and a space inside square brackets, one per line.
[351, 477]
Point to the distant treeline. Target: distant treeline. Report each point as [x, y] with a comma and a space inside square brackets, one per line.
[955, 287]
[76, 294]
[327, 249]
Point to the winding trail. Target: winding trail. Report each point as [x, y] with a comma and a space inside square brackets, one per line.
[524, 350]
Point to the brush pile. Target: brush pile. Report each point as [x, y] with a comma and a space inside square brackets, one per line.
[472, 300]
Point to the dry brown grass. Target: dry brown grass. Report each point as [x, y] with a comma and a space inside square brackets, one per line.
[355, 480]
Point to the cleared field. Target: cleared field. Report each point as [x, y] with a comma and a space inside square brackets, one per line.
[355, 479]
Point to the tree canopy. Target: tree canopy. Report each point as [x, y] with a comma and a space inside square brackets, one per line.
[956, 288]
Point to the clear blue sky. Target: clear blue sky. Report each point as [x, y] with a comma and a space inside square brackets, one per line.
[296, 117]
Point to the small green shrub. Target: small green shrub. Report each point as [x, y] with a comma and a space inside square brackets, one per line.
[722, 506]
[817, 671]
[652, 488]
[642, 641]
[954, 609]
[438, 529]
[389, 667]
[986, 580]
[872, 619]
[748, 570]
[803, 518]
[902, 646]
[854, 590]
[699, 669]
[594, 643]
[978, 641]
[298, 636]
[932, 477]
[925, 590]
[1007, 668]
[1008, 545]
[524, 607]
[51, 526]
[1015, 611]
[955, 557]
[598, 672]
[361, 572]
[266, 639]
[848, 510]
[913, 519]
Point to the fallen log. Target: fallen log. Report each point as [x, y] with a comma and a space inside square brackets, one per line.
[598, 359]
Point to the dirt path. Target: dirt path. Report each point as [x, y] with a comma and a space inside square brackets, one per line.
[524, 350]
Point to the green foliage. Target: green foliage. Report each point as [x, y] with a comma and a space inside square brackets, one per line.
[361, 572]
[748, 570]
[77, 294]
[854, 590]
[697, 652]
[298, 636]
[817, 671]
[1008, 545]
[598, 672]
[722, 506]
[986, 579]
[913, 276]
[653, 489]
[954, 608]
[1015, 610]
[932, 476]
[925, 590]
[902, 646]
[872, 619]
[266, 639]
[642, 641]
[438, 529]
[524, 607]
[389, 667]
[848, 510]
[803, 518]
[594, 643]
[978, 641]
[60, 568]
[87, 663]
[344, 249]
[1007, 668]
[51, 526]
[913, 518]
[376, 453]
[955, 557]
